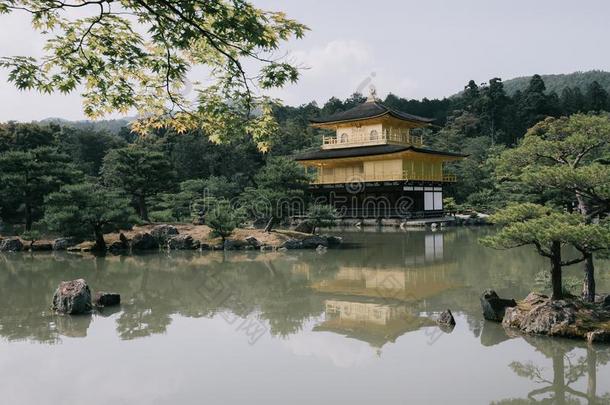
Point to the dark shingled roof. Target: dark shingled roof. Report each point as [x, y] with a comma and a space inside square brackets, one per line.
[368, 151]
[369, 109]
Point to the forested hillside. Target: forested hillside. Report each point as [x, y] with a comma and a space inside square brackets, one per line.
[556, 83]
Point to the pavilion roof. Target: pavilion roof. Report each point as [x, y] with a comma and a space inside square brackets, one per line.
[373, 150]
[367, 110]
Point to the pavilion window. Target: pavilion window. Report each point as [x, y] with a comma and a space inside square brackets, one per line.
[433, 200]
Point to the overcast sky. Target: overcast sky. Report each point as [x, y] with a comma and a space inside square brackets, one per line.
[411, 48]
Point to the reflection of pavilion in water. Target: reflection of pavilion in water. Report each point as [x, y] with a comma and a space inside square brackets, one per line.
[422, 276]
[370, 322]
[379, 304]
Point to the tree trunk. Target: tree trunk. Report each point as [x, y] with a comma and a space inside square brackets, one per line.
[556, 271]
[28, 217]
[270, 224]
[100, 243]
[142, 208]
[588, 285]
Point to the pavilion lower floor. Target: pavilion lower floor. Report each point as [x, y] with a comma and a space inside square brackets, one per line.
[395, 199]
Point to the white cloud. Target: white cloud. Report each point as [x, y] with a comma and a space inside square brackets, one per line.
[337, 56]
[340, 68]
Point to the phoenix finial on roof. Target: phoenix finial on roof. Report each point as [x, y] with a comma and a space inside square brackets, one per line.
[372, 94]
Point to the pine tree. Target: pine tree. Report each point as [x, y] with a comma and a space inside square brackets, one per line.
[597, 97]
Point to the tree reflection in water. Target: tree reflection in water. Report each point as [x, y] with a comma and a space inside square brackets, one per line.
[570, 363]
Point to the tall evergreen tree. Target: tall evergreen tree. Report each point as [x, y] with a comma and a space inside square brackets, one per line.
[88, 209]
[572, 101]
[597, 97]
[28, 176]
[138, 171]
[493, 103]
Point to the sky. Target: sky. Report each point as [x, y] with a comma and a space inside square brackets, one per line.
[413, 49]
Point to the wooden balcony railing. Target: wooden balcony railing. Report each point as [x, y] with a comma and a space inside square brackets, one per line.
[388, 135]
[404, 176]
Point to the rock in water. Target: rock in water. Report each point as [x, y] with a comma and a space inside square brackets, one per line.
[494, 307]
[446, 318]
[163, 233]
[116, 247]
[119, 246]
[41, 247]
[72, 297]
[182, 242]
[63, 243]
[144, 241]
[235, 244]
[312, 242]
[570, 317]
[292, 244]
[305, 227]
[106, 299]
[252, 241]
[11, 245]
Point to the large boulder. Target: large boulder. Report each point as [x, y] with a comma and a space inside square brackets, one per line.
[41, 247]
[117, 247]
[234, 244]
[252, 241]
[11, 245]
[305, 226]
[493, 306]
[312, 242]
[163, 233]
[144, 241]
[63, 243]
[182, 242]
[72, 297]
[570, 317]
[292, 244]
[106, 299]
[540, 315]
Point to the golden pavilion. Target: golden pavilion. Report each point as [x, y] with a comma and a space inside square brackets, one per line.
[373, 165]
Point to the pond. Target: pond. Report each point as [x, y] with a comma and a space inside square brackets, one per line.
[349, 326]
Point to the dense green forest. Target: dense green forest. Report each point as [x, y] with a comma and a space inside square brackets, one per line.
[556, 83]
[163, 173]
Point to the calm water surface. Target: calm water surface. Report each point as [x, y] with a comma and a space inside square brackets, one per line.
[350, 326]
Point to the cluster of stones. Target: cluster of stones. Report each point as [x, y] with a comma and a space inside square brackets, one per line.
[168, 237]
[74, 298]
[16, 245]
[538, 314]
